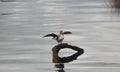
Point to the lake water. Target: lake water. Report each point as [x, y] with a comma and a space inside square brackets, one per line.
[95, 27]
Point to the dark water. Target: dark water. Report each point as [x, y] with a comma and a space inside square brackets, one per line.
[95, 27]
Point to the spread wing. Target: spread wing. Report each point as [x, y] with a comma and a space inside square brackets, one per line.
[67, 32]
[50, 35]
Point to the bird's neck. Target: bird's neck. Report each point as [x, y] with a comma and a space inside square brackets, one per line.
[61, 34]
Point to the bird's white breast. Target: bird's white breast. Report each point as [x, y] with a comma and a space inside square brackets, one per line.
[61, 37]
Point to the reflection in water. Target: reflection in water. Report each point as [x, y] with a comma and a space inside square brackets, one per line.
[6, 13]
[60, 71]
[7, 0]
[60, 67]
[116, 5]
[59, 62]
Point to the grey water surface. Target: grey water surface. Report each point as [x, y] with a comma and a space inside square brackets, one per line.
[95, 27]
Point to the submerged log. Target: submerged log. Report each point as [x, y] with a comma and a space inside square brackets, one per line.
[57, 48]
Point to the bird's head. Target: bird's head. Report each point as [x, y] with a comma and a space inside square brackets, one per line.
[61, 32]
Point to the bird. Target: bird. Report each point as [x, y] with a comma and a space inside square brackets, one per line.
[58, 37]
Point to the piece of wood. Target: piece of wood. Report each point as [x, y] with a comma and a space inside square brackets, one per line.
[57, 48]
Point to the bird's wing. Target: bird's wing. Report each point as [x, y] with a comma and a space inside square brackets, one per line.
[52, 34]
[67, 32]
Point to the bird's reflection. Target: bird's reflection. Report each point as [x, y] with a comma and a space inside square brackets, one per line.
[59, 61]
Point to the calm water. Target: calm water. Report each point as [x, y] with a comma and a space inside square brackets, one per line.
[95, 27]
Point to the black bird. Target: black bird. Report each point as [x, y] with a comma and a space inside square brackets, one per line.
[60, 37]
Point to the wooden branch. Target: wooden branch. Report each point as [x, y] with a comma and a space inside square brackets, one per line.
[57, 48]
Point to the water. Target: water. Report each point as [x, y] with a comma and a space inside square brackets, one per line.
[95, 27]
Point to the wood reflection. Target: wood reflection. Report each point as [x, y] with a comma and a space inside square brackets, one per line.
[116, 4]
